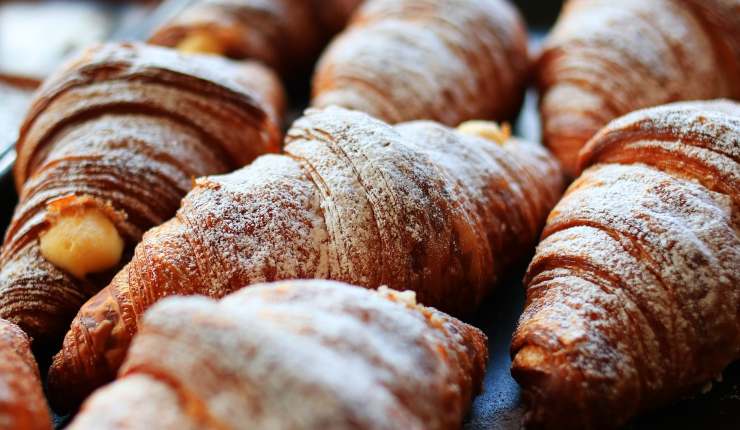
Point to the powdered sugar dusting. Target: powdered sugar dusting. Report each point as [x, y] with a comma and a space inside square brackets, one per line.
[280, 355]
[605, 59]
[697, 140]
[22, 403]
[631, 294]
[417, 206]
[126, 126]
[421, 59]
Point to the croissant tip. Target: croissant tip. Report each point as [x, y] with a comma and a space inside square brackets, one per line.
[66, 387]
[539, 387]
[81, 365]
[60, 388]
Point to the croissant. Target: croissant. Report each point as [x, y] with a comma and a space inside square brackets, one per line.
[22, 402]
[296, 354]
[417, 206]
[284, 34]
[632, 297]
[605, 59]
[109, 147]
[444, 60]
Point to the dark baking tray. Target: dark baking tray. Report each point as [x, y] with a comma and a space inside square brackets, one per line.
[499, 406]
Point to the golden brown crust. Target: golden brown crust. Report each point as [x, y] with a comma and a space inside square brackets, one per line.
[295, 354]
[606, 59]
[631, 296]
[417, 206]
[22, 402]
[284, 34]
[123, 128]
[695, 140]
[447, 61]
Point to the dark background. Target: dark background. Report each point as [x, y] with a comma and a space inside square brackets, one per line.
[7, 201]
[540, 13]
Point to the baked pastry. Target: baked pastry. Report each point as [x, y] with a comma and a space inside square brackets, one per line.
[22, 402]
[295, 354]
[444, 60]
[632, 297]
[109, 147]
[417, 206]
[605, 59]
[284, 34]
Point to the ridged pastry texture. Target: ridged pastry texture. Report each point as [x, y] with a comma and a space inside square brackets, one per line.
[294, 354]
[605, 59]
[125, 129]
[443, 60]
[284, 34]
[417, 206]
[632, 296]
[22, 402]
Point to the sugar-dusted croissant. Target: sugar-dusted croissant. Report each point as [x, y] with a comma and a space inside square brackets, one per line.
[632, 297]
[295, 354]
[284, 34]
[108, 149]
[417, 206]
[605, 59]
[22, 402]
[445, 60]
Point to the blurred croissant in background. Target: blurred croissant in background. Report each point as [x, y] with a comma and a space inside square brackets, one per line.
[444, 60]
[606, 58]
